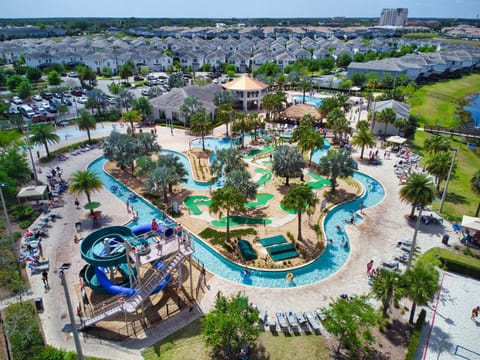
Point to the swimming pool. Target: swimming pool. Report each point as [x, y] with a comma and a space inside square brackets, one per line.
[333, 258]
[213, 143]
[320, 152]
[308, 100]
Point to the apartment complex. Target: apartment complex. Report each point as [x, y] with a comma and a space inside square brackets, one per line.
[394, 17]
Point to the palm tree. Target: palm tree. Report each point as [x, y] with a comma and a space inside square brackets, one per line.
[255, 123]
[387, 286]
[336, 164]
[436, 144]
[327, 106]
[200, 123]
[241, 179]
[223, 113]
[143, 106]
[288, 162]
[386, 116]
[191, 105]
[125, 99]
[419, 191]
[225, 101]
[158, 181]
[86, 122]
[227, 199]
[299, 197]
[363, 137]
[241, 123]
[475, 186]
[338, 123]
[439, 165]
[85, 181]
[308, 139]
[421, 285]
[43, 134]
[305, 84]
[179, 173]
[132, 116]
[226, 161]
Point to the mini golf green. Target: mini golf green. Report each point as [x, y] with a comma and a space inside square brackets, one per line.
[192, 202]
[319, 182]
[290, 211]
[266, 177]
[260, 201]
[240, 220]
[264, 150]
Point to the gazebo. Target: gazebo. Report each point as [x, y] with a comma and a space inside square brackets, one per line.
[249, 91]
[298, 111]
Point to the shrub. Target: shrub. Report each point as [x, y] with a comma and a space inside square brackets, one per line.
[415, 338]
[290, 236]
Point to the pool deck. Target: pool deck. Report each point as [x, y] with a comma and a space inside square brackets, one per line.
[368, 241]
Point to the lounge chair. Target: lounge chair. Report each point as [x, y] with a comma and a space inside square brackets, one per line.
[262, 315]
[391, 264]
[282, 321]
[292, 319]
[312, 320]
[302, 320]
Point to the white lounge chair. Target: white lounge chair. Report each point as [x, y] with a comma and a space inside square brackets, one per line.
[292, 319]
[302, 320]
[312, 320]
[282, 321]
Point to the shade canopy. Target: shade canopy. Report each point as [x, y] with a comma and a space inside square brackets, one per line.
[396, 140]
[33, 193]
[470, 222]
[298, 111]
[91, 206]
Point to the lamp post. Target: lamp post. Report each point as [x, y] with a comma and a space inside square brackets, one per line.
[31, 156]
[444, 195]
[414, 240]
[7, 219]
[61, 274]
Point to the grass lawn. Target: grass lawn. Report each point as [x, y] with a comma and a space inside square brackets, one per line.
[430, 257]
[187, 344]
[436, 104]
[460, 198]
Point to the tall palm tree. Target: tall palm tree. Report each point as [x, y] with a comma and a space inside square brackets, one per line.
[336, 164]
[200, 123]
[227, 199]
[421, 284]
[387, 287]
[85, 181]
[227, 160]
[475, 186]
[43, 134]
[143, 106]
[179, 173]
[158, 180]
[86, 122]
[327, 106]
[132, 116]
[241, 179]
[223, 113]
[338, 123]
[436, 144]
[439, 166]
[241, 123]
[386, 116]
[363, 137]
[419, 190]
[125, 99]
[308, 139]
[288, 162]
[299, 197]
[191, 105]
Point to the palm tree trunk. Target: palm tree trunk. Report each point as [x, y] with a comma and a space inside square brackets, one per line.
[386, 303]
[165, 194]
[361, 153]
[299, 236]
[412, 312]
[412, 213]
[228, 226]
[287, 179]
[478, 209]
[203, 142]
[46, 149]
[88, 134]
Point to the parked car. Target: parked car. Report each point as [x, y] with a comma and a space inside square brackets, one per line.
[16, 100]
[14, 110]
[78, 92]
[47, 96]
[82, 100]
[58, 95]
[52, 109]
[66, 95]
[67, 101]
[72, 74]
[37, 97]
[146, 92]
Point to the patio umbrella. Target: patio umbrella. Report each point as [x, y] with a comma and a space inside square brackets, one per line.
[92, 206]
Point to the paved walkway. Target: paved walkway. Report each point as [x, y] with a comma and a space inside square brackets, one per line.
[374, 238]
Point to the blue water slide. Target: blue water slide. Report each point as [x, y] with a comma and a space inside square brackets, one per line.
[141, 229]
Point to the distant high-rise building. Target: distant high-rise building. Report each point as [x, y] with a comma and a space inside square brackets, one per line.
[394, 17]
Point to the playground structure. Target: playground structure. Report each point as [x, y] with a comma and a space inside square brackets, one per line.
[132, 264]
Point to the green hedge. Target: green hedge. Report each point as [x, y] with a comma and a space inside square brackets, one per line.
[415, 338]
[457, 266]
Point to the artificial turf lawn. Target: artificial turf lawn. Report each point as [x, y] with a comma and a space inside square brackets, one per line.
[240, 220]
[266, 177]
[261, 201]
[192, 202]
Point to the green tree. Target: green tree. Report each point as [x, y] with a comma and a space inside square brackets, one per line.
[158, 180]
[24, 90]
[339, 124]
[299, 197]
[419, 191]
[344, 60]
[421, 285]
[387, 287]
[179, 173]
[44, 134]
[475, 186]
[200, 123]
[227, 200]
[273, 103]
[308, 139]
[14, 81]
[142, 106]
[439, 165]
[226, 161]
[288, 162]
[336, 164]
[241, 123]
[15, 169]
[126, 70]
[88, 77]
[86, 182]
[350, 320]
[176, 80]
[386, 116]
[241, 179]
[33, 74]
[190, 106]
[363, 137]
[230, 325]
[86, 122]
[436, 144]
[132, 116]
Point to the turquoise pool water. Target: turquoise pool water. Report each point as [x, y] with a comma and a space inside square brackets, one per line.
[213, 143]
[320, 152]
[333, 258]
[308, 100]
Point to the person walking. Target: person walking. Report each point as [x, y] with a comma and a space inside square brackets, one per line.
[77, 203]
[45, 279]
[369, 266]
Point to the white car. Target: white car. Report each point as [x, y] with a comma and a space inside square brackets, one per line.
[82, 100]
[37, 97]
[16, 100]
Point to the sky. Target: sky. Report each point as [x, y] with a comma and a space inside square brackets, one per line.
[238, 9]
